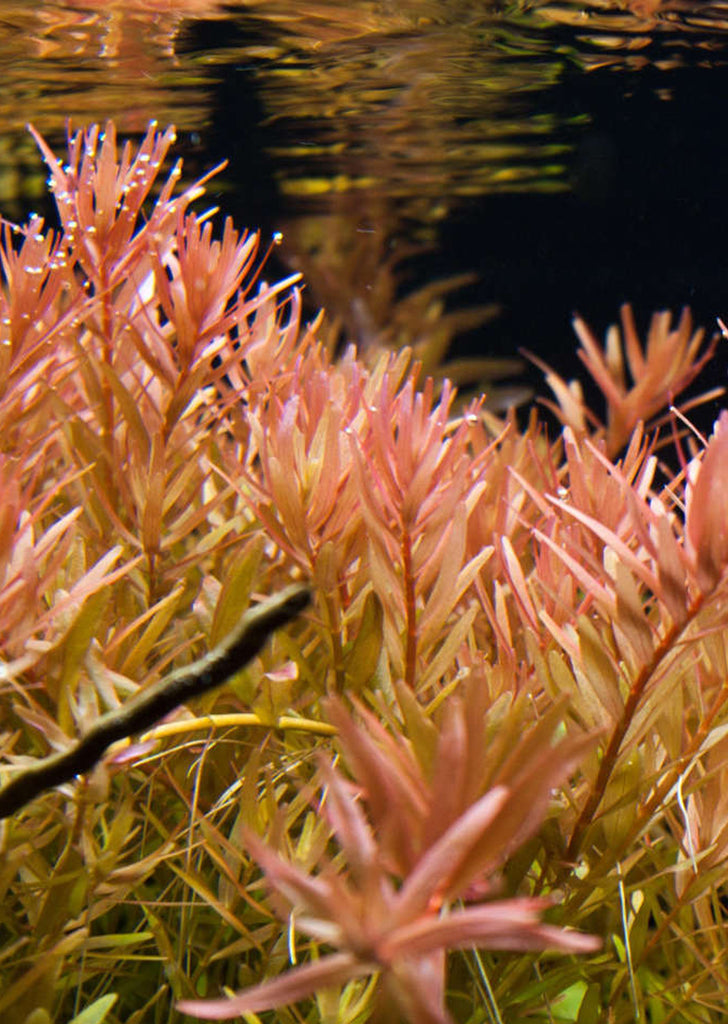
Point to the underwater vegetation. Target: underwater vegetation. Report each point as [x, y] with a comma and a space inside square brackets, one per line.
[481, 776]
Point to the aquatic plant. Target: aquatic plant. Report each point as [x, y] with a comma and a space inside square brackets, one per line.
[494, 740]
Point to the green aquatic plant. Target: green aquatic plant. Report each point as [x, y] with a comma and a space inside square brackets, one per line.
[494, 739]
[148, 706]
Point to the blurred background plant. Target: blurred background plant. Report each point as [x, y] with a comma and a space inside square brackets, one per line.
[519, 642]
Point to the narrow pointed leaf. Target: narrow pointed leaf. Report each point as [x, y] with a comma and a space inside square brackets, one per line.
[292, 986]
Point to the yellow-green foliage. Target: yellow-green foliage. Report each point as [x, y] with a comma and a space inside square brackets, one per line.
[520, 643]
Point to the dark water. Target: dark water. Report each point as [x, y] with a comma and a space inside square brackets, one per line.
[568, 156]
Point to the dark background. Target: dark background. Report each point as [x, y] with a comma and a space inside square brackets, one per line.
[645, 221]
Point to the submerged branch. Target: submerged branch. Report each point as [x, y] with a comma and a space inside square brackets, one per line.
[148, 706]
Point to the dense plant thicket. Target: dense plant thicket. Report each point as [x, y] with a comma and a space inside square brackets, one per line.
[481, 778]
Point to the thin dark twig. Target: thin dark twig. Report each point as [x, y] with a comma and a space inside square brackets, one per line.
[149, 705]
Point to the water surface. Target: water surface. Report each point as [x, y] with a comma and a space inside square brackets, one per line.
[564, 155]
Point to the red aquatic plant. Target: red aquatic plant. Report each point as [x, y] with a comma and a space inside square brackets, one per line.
[637, 381]
[416, 858]
[525, 637]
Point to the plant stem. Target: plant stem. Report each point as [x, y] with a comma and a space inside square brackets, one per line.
[410, 657]
[631, 705]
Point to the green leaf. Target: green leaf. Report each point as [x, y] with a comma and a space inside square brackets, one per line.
[362, 655]
[590, 1011]
[445, 655]
[622, 797]
[75, 646]
[237, 585]
[97, 1011]
[597, 675]
[38, 1016]
[117, 940]
[421, 731]
[568, 1003]
[162, 613]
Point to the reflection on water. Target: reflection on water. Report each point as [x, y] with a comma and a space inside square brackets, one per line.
[414, 99]
[349, 260]
[375, 120]
[666, 34]
[92, 61]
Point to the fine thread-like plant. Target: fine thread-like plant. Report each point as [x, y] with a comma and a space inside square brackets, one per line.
[498, 730]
